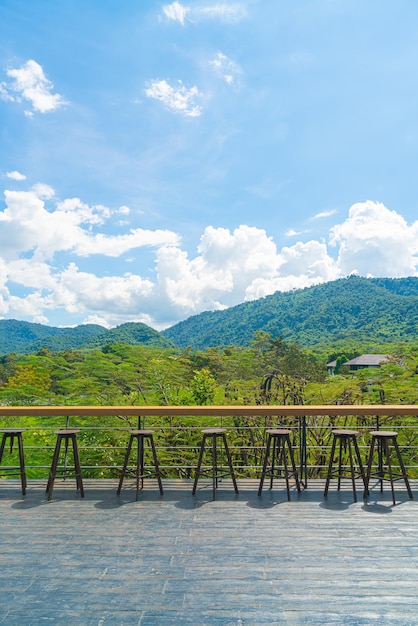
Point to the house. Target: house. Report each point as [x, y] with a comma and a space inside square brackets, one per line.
[360, 362]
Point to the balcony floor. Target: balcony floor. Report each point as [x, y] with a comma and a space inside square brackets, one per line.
[178, 559]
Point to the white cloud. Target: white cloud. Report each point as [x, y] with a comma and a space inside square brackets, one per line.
[222, 11]
[176, 99]
[15, 175]
[225, 68]
[27, 225]
[176, 12]
[226, 12]
[376, 241]
[30, 83]
[324, 214]
[229, 267]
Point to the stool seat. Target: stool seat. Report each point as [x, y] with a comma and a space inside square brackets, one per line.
[279, 466]
[140, 435]
[213, 431]
[11, 434]
[384, 442]
[215, 471]
[65, 435]
[347, 442]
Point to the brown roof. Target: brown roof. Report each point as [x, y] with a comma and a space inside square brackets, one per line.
[368, 359]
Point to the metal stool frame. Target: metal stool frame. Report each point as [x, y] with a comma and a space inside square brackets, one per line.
[385, 440]
[214, 434]
[140, 436]
[347, 441]
[11, 434]
[279, 468]
[65, 435]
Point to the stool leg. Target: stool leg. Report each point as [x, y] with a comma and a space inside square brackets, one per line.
[231, 467]
[214, 467]
[369, 467]
[22, 464]
[265, 462]
[139, 474]
[199, 464]
[292, 460]
[53, 470]
[360, 465]
[2, 446]
[340, 459]
[330, 466]
[275, 459]
[352, 469]
[402, 466]
[125, 464]
[156, 465]
[385, 446]
[282, 458]
[79, 480]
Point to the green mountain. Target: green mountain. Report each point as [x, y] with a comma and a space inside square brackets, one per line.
[383, 310]
[26, 337]
[379, 309]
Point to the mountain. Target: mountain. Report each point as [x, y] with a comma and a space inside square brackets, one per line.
[379, 309]
[26, 337]
[383, 310]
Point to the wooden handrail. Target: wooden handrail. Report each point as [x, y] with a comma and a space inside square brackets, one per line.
[242, 410]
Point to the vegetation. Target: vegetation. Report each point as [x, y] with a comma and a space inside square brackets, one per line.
[269, 371]
[271, 351]
[349, 313]
[371, 311]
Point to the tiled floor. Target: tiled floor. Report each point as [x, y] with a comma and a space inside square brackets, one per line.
[178, 559]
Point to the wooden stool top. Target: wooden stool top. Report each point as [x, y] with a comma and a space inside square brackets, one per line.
[278, 431]
[67, 432]
[140, 431]
[344, 432]
[12, 431]
[213, 431]
[383, 433]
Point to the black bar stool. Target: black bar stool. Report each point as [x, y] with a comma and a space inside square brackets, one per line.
[386, 442]
[347, 440]
[216, 471]
[279, 467]
[140, 436]
[14, 470]
[66, 435]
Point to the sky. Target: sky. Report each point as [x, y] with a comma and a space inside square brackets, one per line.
[161, 159]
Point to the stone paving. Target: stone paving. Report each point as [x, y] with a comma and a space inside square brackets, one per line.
[177, 559]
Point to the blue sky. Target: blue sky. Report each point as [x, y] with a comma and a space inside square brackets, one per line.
[160, 159]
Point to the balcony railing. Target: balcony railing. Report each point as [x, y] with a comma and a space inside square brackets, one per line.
[103, 433]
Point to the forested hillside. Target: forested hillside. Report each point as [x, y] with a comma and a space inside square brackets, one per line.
[382, 309]
[359, 310]
[25, 337]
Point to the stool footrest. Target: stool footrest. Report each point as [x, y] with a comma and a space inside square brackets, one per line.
[217, 472]
[138, 470]
[282, 464]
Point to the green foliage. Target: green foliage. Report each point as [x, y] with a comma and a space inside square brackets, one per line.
[269, 371]
[352, 310]
[25, 337]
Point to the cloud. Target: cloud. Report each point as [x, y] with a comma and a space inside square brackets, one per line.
[15, 175]
[376, 241]
[323, 214]
[224, 12]
[45, 246]
[27, 225]
[225, 68]
[176, 99]
[30, 83]
[176, 12]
